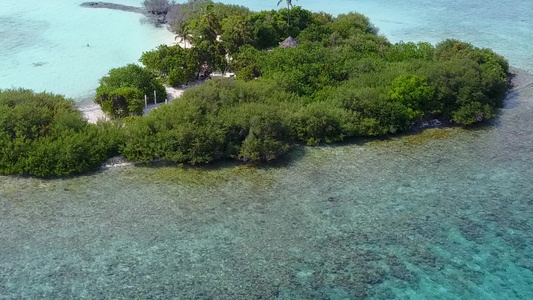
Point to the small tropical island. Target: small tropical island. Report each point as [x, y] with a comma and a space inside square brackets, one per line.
[301, 77]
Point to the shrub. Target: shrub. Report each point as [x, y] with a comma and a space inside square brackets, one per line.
[472, 113]
[266, 139]
[123, 102]
[44, 135]
[413, 92]
[132, 76]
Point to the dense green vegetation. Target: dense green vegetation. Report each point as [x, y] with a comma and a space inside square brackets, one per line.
[45, 135]
[174, 65]
[121, 93]
[343, 80]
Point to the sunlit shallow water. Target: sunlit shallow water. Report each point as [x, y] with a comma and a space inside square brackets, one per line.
[43, 44]
[441, 215]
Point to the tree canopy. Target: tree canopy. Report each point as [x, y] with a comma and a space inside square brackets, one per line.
[343, 80]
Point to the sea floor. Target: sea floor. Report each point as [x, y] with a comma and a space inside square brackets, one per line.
[445, 214]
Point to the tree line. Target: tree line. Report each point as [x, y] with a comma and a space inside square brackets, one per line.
[343, 80]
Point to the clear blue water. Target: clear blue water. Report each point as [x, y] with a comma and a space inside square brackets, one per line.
[43, 44]
[442, 215]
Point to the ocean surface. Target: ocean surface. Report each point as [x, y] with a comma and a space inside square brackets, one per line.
[443, 214]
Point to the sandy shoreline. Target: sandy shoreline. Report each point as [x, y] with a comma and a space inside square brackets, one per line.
[93, 113]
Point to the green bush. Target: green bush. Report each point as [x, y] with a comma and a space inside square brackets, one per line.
[266, 139]
[123, 102]
[415, 93]
[173, 64]
[130, 76]
[45, 135]
[472, 113]
[410, 51]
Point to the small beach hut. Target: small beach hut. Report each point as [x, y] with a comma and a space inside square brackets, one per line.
[289, 43]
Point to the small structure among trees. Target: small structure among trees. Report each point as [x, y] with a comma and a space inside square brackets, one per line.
[289, 42]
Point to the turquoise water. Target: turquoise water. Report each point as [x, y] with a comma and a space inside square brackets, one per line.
[441, 215]
[43, 44]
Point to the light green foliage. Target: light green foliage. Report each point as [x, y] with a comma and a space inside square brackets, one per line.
[352, 24]
[163, 60]
[271, 27]
[246, 62]
[236, 32]
[267, 28]
[414, 92]
[303, 70]
[408, 51]
[212, 54]
[315, 33]
[450, 49]
[206, 27]
[300, 19]
[44, 135]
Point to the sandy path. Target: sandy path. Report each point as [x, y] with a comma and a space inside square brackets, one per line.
[93, 112]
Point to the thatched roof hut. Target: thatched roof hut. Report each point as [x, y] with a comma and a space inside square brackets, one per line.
[289, 43]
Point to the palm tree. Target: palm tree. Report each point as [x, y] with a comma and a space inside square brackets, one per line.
[210, 20]
[289, 6]
[183, 32]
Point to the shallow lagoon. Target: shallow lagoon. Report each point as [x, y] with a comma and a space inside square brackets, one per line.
[43, 44]
[441, 215]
